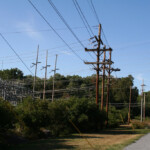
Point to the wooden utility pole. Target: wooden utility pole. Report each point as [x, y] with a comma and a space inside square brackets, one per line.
[109, 70]
[35, 64]
[53, 91]
[45, 67]
[142, 101]
[97, 69]
[108, 88]
[97, 62]
[144, 108]
[129, 114]
[103, 82]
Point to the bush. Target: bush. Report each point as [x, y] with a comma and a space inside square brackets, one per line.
[82, 113]
[136, 124]
[33, 115]
[85, 114]
[58, 116]
[7, 116]
[114, 117]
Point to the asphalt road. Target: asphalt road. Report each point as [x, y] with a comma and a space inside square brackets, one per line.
[141, 144]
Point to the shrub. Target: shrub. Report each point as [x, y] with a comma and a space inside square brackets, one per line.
[7, 116]
[85, 114]
[58, 116]
[114, 117]
[32, 115]
[138, 124]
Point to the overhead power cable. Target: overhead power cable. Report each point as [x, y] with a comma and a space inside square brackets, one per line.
[97, 18]
[42, 30]
[64, 21]
[54, 30]
[15, 53]
[49, 49]
[94, 10]
[82, 18]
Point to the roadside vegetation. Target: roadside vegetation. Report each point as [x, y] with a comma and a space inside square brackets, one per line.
[73, 119]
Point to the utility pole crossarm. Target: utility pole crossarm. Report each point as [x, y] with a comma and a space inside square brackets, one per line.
[103, 63]
[104, 49]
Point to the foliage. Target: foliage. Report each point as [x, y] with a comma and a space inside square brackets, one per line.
[33, 115]
[114, 117]
[13, 73]
[60, 116]
[7, 115]
[136, 124]
[85, 114]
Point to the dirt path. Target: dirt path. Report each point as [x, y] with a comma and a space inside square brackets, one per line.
[141, 144]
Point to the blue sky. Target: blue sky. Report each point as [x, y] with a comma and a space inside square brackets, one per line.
[126, 25]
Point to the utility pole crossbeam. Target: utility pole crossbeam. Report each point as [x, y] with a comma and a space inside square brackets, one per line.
[98, 63]
[35, 64]
[53, 91]
[45, 67]
[103, 50]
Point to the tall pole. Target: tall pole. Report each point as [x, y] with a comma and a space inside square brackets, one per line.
[98, 63]
[103, 82]
[45, 75]
[97, 71]
[108, 88]
[144, 108]
[129, 115]
[142, 101]
[53, 91]
[35, 64]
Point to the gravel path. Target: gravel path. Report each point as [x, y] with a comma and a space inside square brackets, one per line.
[141, 144]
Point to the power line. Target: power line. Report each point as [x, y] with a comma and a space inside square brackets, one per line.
[94, 10]
[97, 18]
[31, 57]
[54, 30]
[41, 30]
[15, 53]
[82, 18]
[79, 8]
[64, 21]
[105, 37]
[49, 49]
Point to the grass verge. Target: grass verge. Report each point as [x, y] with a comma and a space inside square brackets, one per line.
[115, 139]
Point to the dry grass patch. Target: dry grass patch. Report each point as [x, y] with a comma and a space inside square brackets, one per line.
[101, 141]
[106, 140]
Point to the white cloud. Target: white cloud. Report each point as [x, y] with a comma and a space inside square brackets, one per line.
[29, 30]
[66, 52]
[139, 77]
